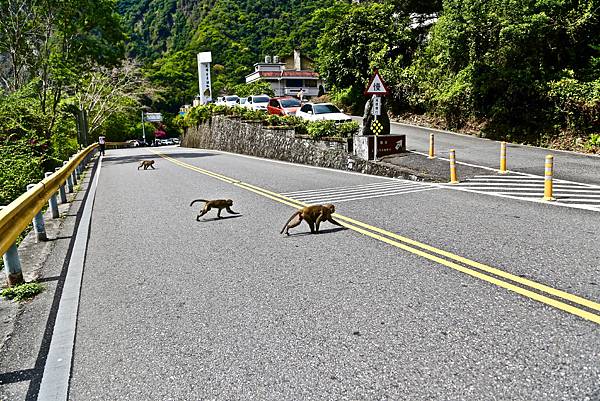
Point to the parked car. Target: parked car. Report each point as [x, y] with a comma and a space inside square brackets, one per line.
[258, 102]
[133, 143]
[176, 140]
[283, 106]
[322, 111]
[231, 100]
[243, 102]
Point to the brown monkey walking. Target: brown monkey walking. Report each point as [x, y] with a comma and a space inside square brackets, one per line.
[314, 216]
[146, 164]
[217, 203]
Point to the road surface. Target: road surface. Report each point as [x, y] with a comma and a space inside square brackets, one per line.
[403, 303]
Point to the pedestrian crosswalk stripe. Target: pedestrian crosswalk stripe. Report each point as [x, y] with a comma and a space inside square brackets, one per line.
[359, 192]
[531, 188]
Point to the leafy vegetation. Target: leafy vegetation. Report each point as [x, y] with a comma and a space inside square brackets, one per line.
[22, 292]
[315, 129]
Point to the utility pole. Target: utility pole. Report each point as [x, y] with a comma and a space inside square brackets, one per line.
[143, 128]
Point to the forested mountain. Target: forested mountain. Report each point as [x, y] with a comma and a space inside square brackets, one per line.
[166, 34]
[525, 71]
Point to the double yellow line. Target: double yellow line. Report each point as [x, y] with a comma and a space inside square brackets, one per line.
[562, 300]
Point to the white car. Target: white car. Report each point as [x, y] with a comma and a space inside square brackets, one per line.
[231, 100]
[258, 102]
[322, 111]
[242, 102]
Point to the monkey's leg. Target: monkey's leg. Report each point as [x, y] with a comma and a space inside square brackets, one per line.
[312, 226]
[203, 212]
[332, 221]
[318, 222]
[230, 211]
[219, 213]
[294, 223]
[152, 165]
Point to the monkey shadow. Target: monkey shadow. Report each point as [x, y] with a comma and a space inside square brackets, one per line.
[326, 231]
[222, 218]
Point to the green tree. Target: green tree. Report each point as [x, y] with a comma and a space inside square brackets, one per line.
[358, 38]
[494, 60]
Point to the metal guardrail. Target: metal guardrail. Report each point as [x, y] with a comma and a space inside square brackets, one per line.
[15, 217]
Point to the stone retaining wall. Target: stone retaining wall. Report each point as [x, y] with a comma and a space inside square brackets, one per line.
[252, 138]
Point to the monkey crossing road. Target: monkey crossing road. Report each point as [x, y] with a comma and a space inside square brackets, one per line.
[429, 293]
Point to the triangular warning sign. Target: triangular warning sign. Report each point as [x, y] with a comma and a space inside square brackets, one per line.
[376, 85]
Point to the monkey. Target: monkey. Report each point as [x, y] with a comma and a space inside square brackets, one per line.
[313, 215]
[146, 164]
[217, 203]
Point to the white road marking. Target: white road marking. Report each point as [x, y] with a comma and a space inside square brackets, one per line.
[359, 192]
[531, 188]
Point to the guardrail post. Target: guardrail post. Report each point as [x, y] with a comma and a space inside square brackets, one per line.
[431, 147]
[12, 264]
[53, 202]
[74, 176]
[38, 222]
[61, 190]
[69, 180]
[548, 172]
[453, 175]
[503, 158]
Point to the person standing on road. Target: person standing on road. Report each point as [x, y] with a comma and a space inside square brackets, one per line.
[301, 95]
[102, 143]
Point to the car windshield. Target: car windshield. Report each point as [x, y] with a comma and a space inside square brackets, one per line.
[261, 99]
[325, 108]
[231, 98]
[290, 103]
[242, 100]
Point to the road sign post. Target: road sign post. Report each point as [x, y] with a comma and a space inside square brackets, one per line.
[376, 121]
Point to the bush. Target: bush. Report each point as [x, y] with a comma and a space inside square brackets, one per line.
[347, 129]
[320, 129]
[593, 142]
[22, 292]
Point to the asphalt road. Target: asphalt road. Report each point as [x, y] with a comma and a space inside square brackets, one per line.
[176, 309]
[485, 152]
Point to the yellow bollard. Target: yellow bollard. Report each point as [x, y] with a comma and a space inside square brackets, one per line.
[431, 147]
[453, 177]
[503, 158]
[548, 178]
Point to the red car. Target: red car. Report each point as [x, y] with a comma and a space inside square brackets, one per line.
[283, 106]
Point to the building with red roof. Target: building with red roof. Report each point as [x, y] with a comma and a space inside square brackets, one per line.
[289, 75]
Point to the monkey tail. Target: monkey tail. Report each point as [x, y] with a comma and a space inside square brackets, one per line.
[198, 200]
[288, 222]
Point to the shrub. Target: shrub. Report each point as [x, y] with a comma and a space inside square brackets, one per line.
[320, 129]
[347, 129]
[22, 292]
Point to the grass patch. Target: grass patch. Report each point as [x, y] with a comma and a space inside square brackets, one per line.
[22, 292]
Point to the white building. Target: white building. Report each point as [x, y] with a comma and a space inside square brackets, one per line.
[288, 75]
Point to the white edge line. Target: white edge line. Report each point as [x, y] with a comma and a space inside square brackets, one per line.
[57, 371]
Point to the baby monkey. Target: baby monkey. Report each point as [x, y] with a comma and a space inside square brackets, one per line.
[314, 216]
[146, 164]
[217, 203]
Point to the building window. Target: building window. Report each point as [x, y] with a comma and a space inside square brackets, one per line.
[293, 83]
[310, 83]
